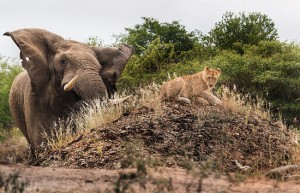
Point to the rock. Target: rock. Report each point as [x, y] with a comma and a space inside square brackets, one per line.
[281, 172]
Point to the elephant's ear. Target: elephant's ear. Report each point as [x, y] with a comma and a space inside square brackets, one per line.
[35, 47]
[113, 59]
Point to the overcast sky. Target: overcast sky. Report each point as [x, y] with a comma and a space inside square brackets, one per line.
[80, 19]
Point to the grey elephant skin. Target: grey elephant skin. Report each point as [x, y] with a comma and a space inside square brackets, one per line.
[60, 74]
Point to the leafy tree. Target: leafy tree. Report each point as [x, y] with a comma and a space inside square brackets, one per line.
[141, 35]
[157, 47]
[94, 41]
[235, 31]
[7, 75]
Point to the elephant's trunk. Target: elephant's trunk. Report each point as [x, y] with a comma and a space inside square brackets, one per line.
[90, 86]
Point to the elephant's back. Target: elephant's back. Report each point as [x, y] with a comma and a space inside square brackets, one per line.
[16, 95]
[19, 85]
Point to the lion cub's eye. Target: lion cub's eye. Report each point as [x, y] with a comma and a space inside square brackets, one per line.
[63, 62]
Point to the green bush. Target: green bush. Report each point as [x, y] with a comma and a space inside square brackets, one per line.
[145, 68]
[156, 56]
[155, 64]
[7, 75]
[270, 69]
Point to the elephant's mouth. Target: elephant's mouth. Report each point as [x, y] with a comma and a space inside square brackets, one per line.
[72, 96]
[76, 95]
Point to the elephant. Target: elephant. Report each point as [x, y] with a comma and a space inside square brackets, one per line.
[60, 75]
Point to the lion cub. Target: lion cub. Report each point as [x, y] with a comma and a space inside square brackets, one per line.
[195, 87]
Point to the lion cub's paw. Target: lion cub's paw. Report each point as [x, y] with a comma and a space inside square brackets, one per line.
[183, 99]
[218, 103]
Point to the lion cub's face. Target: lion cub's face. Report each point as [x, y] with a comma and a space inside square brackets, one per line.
[210, 76]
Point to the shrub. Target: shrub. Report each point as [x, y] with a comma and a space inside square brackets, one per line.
[270, 69]
[7, 75]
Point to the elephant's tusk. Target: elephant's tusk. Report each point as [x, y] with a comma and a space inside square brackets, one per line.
[70, 85]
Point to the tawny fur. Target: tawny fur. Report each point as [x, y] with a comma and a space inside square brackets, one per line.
[197, 88]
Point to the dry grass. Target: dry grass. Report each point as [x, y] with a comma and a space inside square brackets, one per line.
[91, 115]
[98, 113]
[259, 108]
[149, 96]
[295, 139]
[237, 103]
[14, 147]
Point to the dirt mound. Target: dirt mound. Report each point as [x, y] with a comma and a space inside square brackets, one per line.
[178, 135]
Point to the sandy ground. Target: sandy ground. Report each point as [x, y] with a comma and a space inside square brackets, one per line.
[45, 179]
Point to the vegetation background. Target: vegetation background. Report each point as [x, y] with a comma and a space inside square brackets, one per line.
[245, 46]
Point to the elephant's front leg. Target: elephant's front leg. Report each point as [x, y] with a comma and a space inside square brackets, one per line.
[39, 123]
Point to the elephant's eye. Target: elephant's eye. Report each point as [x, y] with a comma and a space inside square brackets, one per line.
[63, 62]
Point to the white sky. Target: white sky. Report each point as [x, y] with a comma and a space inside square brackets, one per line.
[80, 19]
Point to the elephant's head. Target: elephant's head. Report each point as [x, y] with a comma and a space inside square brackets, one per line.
[68, 69]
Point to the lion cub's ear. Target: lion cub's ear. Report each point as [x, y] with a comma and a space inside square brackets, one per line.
[206, 68]
[219, 70]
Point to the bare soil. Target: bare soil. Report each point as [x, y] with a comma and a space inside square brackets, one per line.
[174, 148]
[46, 179]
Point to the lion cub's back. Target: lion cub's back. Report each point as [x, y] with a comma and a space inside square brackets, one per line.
[192, 78]
[172, 88]
[194, 84]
